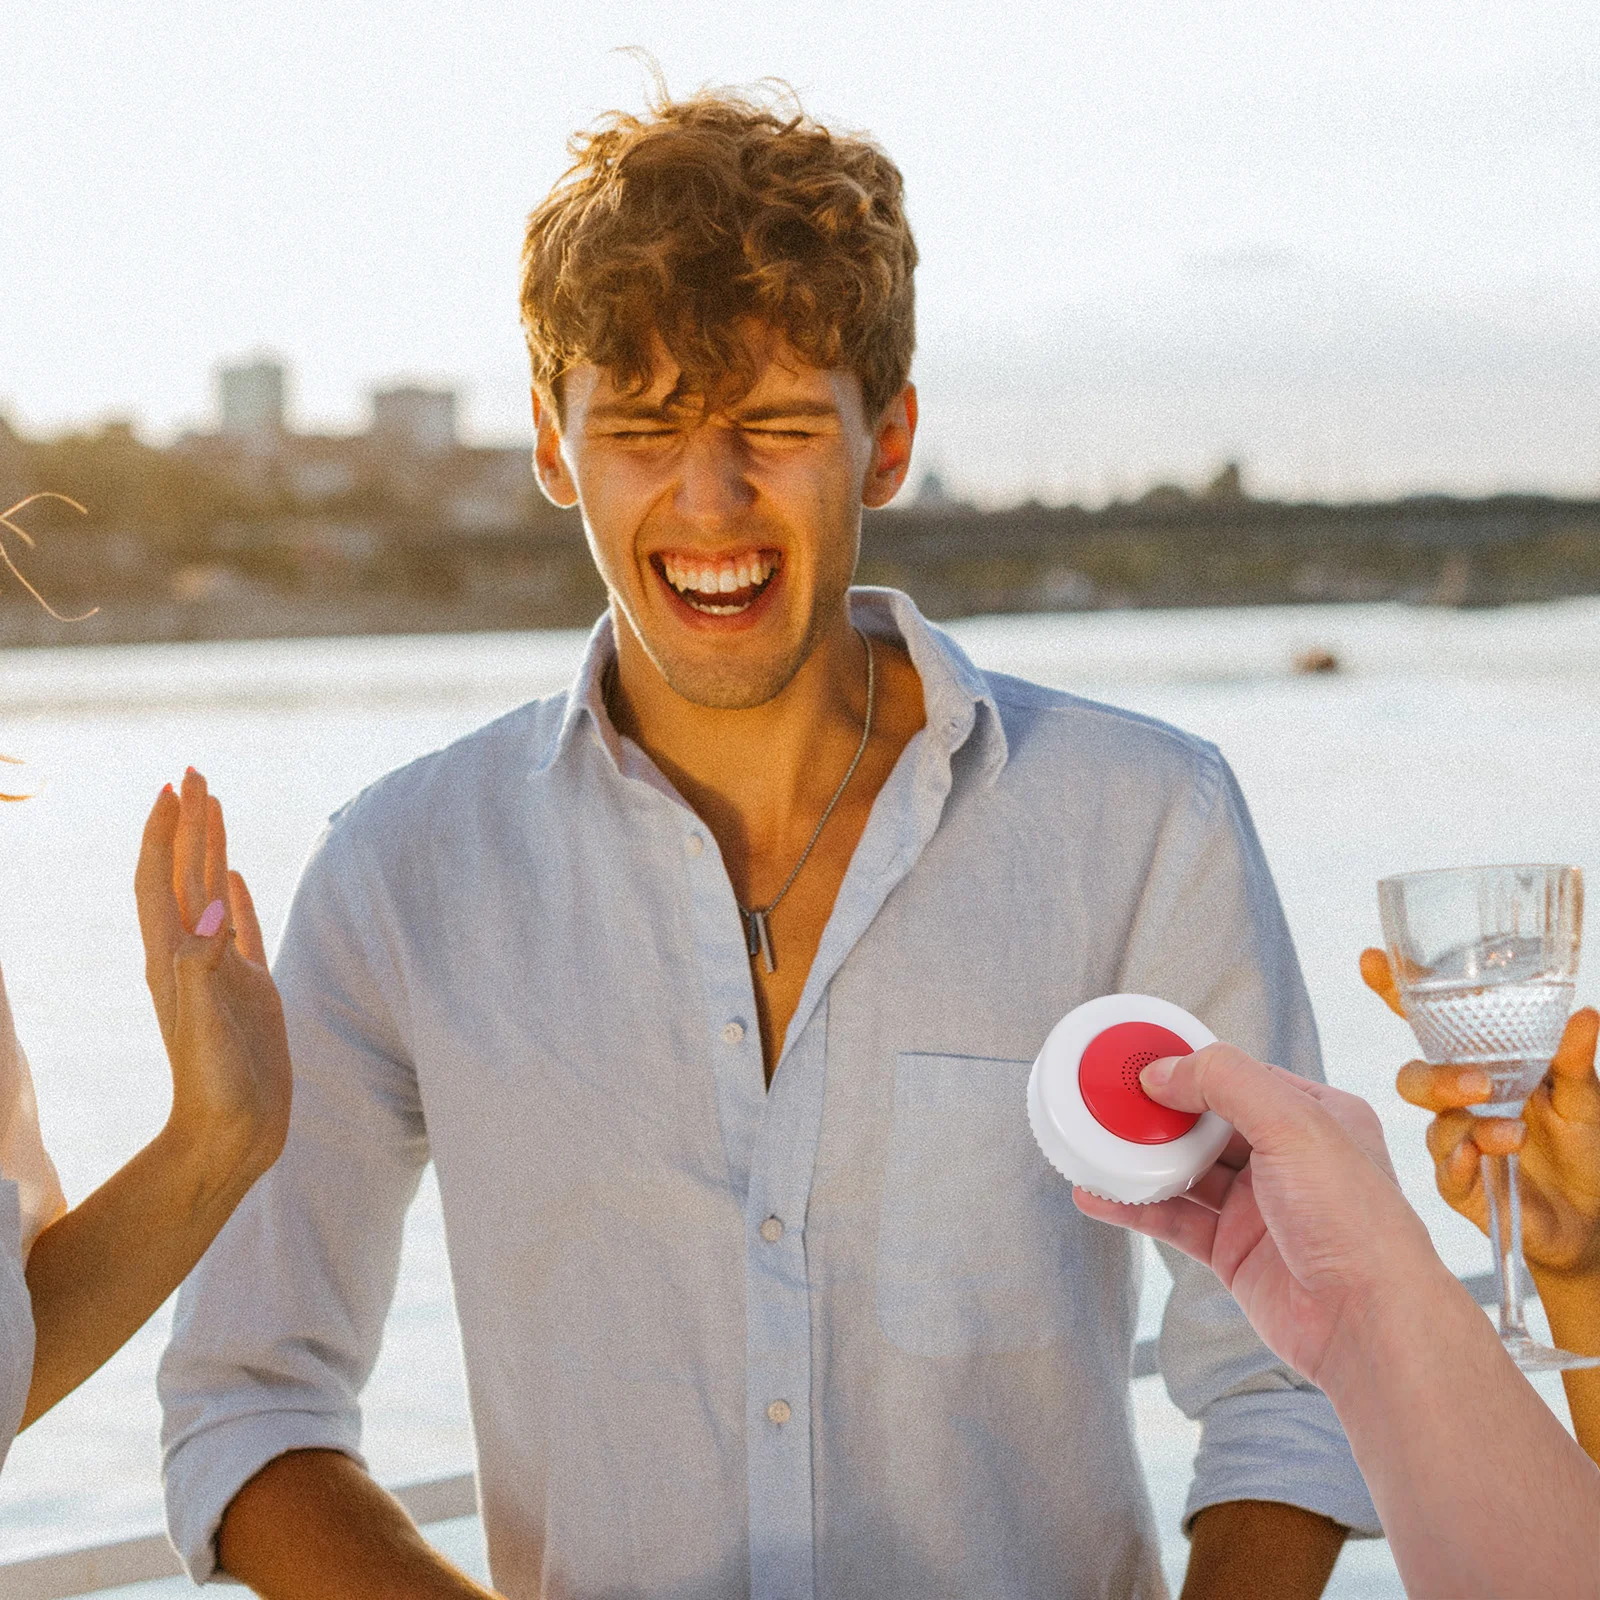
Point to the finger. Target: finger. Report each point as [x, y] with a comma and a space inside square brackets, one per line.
[1267, 1105]
[1498, 1136]
[216, 868]
[1212, 1188]
[211, 920]
[190, 868]
[160, 926]
[1235, 1153]
[1458, 1175]
[1447, 1131]
[1442, 1088]
[246, 925]
[1574, 1090]
[1189, 1228]
[194, 968]
[1378, 976]
[1354, 1115]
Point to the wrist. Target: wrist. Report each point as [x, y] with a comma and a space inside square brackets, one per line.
[1382, 1333]
[210, 1165]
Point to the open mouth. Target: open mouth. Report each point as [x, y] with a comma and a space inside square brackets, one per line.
[718, 586]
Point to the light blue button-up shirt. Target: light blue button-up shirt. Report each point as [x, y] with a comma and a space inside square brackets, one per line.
[846, 1337]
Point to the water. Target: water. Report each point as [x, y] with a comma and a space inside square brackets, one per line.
[1510, 1030]
[1500, 702]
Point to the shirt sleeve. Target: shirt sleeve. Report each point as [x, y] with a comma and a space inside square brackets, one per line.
[23, 1158]
[1210, 936]
[277, 1330]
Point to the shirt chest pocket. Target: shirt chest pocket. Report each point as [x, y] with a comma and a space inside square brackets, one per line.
[978, 1239]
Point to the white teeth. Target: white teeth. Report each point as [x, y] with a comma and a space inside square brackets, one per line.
[730, 577]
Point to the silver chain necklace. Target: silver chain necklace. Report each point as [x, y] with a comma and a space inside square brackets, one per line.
[757, 936]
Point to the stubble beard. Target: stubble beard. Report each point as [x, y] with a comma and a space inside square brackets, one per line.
[719, 685]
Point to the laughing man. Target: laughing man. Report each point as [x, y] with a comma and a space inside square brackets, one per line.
[710, 988]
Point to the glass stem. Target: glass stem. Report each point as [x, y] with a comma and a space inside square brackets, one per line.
[1505, 1233]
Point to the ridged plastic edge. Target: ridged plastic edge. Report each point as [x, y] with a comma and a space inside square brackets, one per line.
[1043, 1141]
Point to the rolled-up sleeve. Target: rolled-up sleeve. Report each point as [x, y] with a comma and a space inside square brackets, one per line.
[1210, 935]
[278, 1329]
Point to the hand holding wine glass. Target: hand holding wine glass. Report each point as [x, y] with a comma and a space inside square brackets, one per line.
[1482, 962]
[1557, 1139]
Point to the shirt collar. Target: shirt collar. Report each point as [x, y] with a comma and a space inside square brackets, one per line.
[586, 699]
[955, 693]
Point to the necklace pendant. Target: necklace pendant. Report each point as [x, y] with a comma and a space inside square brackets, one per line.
[758, 940]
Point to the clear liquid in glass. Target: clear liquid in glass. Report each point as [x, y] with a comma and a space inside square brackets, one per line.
[1491, 1005]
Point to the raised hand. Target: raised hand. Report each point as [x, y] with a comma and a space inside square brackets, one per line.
[1301, 1218]
[98, 1273]
[207, 971]
[1557, 1140]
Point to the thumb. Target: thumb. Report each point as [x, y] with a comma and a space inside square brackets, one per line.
[1265, 1104]
[1574, 1091]
[200, 953]
[1378, 975]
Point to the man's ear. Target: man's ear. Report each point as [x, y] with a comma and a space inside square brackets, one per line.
[891, 449]
[549, 465]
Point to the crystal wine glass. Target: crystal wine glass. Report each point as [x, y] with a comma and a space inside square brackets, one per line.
[1485, 959]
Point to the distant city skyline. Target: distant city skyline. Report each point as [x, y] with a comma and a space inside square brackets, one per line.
[1355, 246]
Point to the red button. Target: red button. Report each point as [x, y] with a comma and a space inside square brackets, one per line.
[1108, 1075]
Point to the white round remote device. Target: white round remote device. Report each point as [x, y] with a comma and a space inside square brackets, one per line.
[1091, 1116]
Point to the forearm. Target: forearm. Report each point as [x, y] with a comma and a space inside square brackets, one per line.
[1572, 1304]
[99, 1273]
[1479, 1488]
[311, 1525]
[1260, 1550]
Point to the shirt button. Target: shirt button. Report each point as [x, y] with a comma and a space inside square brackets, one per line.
[772, 1230]
[693, 845]
[733, 1032]
[778, 1412]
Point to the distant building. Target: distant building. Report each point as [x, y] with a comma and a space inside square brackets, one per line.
[933, 494]
[1227, 486]
[251, 395]
[414, 421]
[490, 488]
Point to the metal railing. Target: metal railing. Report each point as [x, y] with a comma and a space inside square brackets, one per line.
[63, 1574]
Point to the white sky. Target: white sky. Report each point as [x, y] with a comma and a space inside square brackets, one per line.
[1356, 244]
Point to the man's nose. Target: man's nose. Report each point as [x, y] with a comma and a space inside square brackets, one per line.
[712, 482]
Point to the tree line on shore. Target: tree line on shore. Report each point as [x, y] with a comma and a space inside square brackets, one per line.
[211, 538]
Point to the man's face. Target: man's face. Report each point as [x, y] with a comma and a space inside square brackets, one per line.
[727, 537]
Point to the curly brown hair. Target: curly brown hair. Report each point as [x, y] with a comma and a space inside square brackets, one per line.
[704, 216]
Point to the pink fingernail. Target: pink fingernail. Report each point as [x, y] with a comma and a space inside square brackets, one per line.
[210, 919]
[166, 788]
